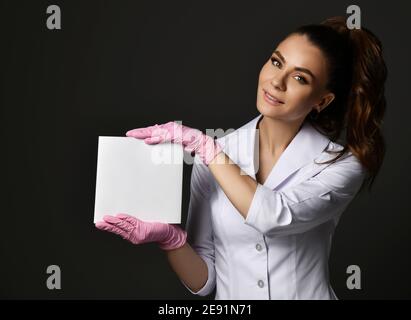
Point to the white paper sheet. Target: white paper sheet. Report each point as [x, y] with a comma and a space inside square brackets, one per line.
[141, 180]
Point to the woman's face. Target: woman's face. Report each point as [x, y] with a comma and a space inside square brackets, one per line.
[300, 90]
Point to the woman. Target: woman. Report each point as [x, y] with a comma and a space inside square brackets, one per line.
[268, 235]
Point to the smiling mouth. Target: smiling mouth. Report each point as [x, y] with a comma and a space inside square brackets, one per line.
[271, 98]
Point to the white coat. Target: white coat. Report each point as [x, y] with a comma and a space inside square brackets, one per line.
[281, 250]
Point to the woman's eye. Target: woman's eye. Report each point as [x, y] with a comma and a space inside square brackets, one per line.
[273, 60]
[302, 80]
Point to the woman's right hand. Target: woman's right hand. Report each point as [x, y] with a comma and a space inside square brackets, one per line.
[136, 231]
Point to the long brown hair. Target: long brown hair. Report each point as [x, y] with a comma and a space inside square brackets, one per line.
[356, 75]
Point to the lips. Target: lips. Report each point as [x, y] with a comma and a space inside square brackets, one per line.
[273, 98]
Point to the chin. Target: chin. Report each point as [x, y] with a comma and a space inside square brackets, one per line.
[267, 110]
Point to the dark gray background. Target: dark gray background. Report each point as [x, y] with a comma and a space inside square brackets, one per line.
[118, 65]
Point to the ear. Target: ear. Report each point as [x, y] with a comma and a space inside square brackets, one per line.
[325, 101]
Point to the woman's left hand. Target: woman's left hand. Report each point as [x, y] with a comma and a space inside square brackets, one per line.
[191, 139]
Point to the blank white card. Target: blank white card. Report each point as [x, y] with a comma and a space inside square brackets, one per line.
[138, 179]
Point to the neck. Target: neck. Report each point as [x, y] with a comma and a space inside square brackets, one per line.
[275, 135]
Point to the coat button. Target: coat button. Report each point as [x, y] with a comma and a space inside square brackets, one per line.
[258, 247]
[260, 283]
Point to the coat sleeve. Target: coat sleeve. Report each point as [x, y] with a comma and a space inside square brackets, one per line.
[199, 224]
[309, 203]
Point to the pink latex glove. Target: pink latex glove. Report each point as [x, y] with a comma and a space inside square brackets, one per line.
[191, 139]
[137, 231]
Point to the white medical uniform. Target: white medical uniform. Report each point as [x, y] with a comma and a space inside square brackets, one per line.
[281, 250]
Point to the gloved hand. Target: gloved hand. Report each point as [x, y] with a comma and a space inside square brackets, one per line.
[137, 231]
[191, 139]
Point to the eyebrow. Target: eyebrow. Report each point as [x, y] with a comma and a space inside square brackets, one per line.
[296, 68]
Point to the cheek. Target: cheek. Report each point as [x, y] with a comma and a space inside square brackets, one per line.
[298, 94]
[264, 74]
[300, 100]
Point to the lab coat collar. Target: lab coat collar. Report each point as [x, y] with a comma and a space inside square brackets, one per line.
[307, 145]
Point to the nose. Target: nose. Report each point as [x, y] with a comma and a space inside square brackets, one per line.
[278, 82]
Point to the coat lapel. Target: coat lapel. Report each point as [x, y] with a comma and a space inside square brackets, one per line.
[303, 149]
[307, 145]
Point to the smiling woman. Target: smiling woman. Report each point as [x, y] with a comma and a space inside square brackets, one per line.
[293, 78]
[332, 77]
[267, 234]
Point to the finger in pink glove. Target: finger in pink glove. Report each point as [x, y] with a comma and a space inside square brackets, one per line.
[137, 231]
[191, 139]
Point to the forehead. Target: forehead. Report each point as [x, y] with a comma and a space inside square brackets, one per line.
[298, 51]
